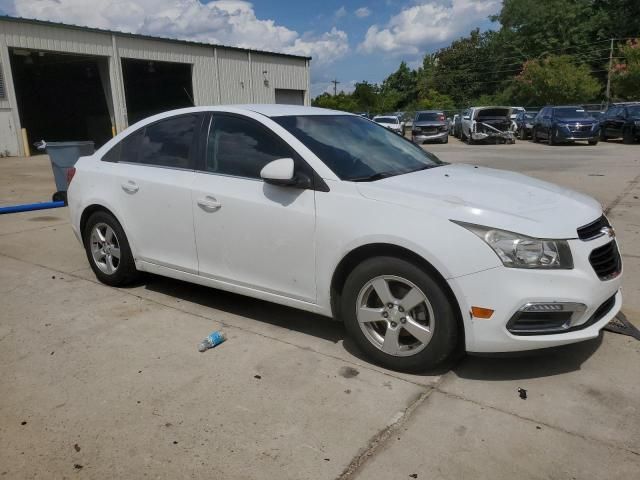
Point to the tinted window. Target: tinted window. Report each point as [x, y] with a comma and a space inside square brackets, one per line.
[429, 116]
[634, 110]
[570, 113]
[385, 120]
[242, 147]
[126, 150]
[356, 149]
[170, 142]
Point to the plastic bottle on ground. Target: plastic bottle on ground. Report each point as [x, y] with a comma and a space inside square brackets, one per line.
[213, 340]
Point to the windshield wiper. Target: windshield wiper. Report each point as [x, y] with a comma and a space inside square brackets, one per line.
[375, 176]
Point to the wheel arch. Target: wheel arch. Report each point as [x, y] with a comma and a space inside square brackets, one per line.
[364, 252]
[90, 210]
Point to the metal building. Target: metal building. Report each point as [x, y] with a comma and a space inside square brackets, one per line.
[62, 82]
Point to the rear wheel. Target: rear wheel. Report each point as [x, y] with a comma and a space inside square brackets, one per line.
[603, 137]
[108, 250]
[399, 315]
[534, 136]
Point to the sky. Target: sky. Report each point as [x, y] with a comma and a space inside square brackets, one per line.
[349, 40]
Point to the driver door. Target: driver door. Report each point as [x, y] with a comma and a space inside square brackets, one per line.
[250, 233]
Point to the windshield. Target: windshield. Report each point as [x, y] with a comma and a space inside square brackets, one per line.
[634, 110]
[530, 116]
[571, 112]
[356, 149]
[386, 119]
[429, 116]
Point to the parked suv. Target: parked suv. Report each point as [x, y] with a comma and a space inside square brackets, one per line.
[430, 126]
[487, 123]
[621, 120]
[330, 213]
[565, 124]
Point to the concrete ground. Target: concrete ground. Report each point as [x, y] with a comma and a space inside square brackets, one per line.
[100, 382]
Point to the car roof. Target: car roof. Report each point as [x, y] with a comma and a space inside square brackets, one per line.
[268, 110]
[429, 111]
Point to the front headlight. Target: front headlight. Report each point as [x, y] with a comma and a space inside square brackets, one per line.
[520, 251]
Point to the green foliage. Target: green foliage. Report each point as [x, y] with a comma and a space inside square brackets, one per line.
[556, 79]
[341, 101]
[542, 52]
[625, 79]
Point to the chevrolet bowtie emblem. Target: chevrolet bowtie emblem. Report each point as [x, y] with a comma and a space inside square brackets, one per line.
[609, 231]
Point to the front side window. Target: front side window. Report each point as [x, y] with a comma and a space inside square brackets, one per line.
[170, 142]
[356, 149]
[242, 147]
[633, 111]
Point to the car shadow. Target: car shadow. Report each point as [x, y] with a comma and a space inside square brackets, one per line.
[490, 367]
[525, 365]
[255, 309]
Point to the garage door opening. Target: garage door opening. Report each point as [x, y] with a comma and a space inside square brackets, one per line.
[152, 87]
[62, 97]
[289, 97]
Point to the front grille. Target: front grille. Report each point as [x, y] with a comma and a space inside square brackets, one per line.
[581, 128]
[605, 261]
[429, 129]
[594, 229]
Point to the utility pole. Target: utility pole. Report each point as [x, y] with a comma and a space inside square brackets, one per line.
[335, 86]
[609, 73]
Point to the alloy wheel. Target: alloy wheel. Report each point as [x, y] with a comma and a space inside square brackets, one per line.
[105, 248]
[395, 315]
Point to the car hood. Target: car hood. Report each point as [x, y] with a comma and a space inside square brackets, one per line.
[429, 123]
[484, 196]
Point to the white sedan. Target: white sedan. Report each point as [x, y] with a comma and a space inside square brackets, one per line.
[330, 213]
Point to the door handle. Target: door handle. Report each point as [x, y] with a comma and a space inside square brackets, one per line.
[130, 187]
[209, 204]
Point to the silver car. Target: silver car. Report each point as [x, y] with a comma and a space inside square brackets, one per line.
[430, 126]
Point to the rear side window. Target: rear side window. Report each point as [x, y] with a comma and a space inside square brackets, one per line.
[167, 143]
[241, 147]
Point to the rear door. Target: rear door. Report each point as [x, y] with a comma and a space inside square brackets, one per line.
[155, 175]
[250, 233]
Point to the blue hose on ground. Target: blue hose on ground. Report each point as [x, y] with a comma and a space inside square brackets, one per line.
[30, 206]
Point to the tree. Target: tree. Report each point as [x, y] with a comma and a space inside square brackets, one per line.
[366, 96]
[556, 79]
[625, 78]
[434, 100]
[403, 83]
[341, 101]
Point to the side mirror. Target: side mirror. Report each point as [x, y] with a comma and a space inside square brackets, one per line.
[281, 172]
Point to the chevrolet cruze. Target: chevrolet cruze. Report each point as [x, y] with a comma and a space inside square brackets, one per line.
[333, 214]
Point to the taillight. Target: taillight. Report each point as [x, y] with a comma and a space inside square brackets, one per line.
[441, 118]
[70, 173]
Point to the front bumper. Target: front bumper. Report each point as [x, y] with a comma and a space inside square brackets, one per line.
[423, 137]
[479, 136]
[563, 134]
[507, 290]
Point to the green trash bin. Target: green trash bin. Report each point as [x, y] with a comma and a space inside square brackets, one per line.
[63, 156]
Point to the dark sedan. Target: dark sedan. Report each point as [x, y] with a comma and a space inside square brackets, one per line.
[622, 120]
[524, 124]
[565, 124]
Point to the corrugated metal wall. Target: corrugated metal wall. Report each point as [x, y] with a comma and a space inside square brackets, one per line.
[220, 75]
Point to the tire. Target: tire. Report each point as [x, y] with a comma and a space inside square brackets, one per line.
[593, 142]
[534, 136]
[552, 137]
[603, 137]
[522, 134]
[433, 311]
[112, 271]
[627, 136]
[446, 139]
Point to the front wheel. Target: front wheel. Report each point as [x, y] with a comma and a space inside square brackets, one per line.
[593, 142]
[108, 250]
[627, 136]
[551, 135]
[399, 315]
[534, 136]
[523, 134]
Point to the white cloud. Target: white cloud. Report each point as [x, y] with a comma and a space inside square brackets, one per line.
[341, 12]
[427, 22]
[362, 12]
[324, 48]
[227, 22]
